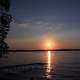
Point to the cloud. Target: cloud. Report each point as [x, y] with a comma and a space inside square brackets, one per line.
[38, 27]
[34, 27]
[37, 24]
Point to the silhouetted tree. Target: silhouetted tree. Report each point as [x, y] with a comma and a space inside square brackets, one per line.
[5, 19]
[5, 4]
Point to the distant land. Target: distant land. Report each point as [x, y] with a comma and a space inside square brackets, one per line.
[21, 50]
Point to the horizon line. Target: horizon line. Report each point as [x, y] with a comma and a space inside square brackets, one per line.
[30, 50]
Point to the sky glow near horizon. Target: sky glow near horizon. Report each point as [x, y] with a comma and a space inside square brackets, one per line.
[36, 21]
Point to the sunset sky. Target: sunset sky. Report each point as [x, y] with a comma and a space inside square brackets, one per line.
[37, 22]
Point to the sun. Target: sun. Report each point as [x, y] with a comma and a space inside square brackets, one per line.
[49, 44]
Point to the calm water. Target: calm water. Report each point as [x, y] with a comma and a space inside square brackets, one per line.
[41, 66]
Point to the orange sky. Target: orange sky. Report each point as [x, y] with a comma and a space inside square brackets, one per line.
[41, 44]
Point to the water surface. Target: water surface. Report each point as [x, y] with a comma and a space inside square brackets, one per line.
[59, 65]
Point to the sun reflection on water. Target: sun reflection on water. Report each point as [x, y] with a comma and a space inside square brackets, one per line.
[49, 61]
[49, 67]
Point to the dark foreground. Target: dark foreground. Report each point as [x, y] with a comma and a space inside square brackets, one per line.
[38, 71]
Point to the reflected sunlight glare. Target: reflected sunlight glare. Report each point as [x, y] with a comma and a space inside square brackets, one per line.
[49, 58]
[49, 64]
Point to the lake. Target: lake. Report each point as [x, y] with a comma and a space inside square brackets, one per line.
[46, 65]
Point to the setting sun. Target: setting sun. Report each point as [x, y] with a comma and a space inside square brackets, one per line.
[49, 44]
